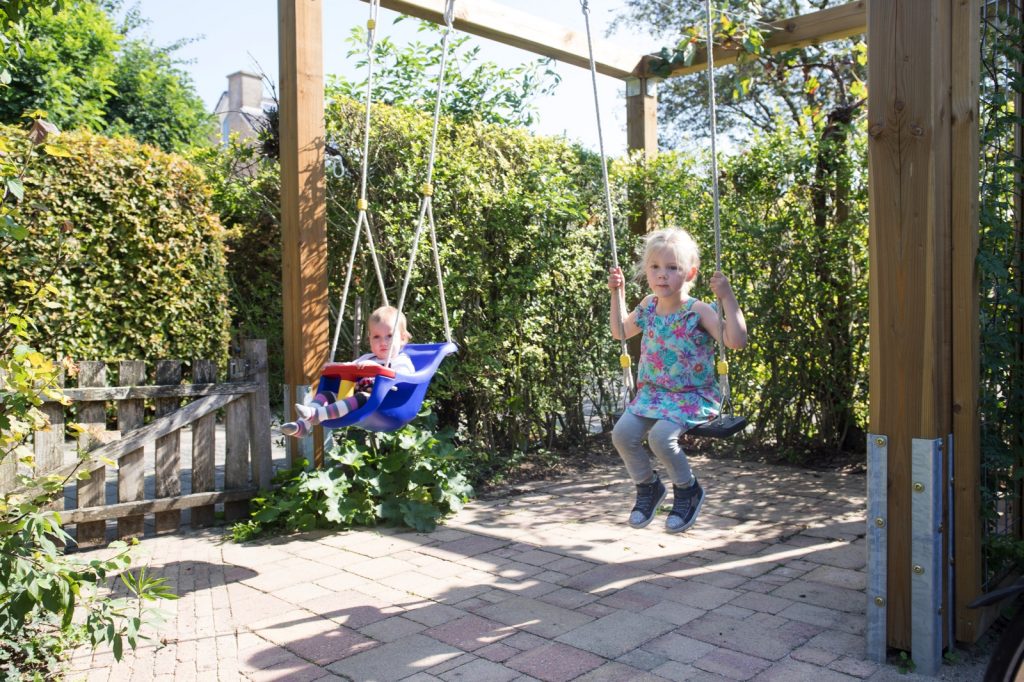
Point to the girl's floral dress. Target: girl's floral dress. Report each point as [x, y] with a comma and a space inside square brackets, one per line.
[676, 377]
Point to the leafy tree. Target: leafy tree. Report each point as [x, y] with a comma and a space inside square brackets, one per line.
[474, 89]
[66, 67]
[76, 65]
[763, 91]
[154, 101]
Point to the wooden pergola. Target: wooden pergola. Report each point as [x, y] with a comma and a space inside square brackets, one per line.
[923, 182]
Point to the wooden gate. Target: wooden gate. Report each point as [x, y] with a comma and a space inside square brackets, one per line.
[244, 398]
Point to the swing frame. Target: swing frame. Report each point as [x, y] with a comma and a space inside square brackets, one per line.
[924, 310]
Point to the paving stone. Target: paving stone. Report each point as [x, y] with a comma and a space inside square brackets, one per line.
[642, 659]
[855, 666]
[761, 602]
[839, 577]
[470, 632]
[678, 647]
[392, 629]
[616, 633]
[814, 655]
[745, 637]
[798, 671]
[395, 660]
[497, 652]
[684, 672]
[480, 671]
[842, 643]
[554, 662]
[617, 672]
[825, 618]
[431, 613]
[567, 598]
[671, 612]
[827, 596]
[731, 664]
[534, 616]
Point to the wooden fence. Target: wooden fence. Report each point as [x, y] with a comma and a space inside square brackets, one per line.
[244, 397]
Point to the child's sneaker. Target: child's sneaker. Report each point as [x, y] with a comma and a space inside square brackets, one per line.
[648, 497]
[685, 507]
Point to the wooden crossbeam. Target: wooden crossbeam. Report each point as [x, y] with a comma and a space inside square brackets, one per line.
[139, 392]
[496, 22]
[114, 511]
[834, 23]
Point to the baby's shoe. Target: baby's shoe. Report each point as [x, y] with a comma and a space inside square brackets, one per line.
[296, 429]
[685, 507]
[648, 497]
[305, 411]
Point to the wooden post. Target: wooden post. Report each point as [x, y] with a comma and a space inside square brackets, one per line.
[204, 448]
[168, 449]
[131, 473]
[236, 446]
[642, 135]
[303, 195]
[259, 412]
[910, 288]
[91, 491]
[967, 526]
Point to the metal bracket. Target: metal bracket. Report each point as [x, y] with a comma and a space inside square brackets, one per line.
[877, 540]
[926, 557]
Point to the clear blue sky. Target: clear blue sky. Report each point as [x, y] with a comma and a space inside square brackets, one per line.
[242, 34]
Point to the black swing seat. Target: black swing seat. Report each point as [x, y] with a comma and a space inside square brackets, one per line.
[722, 426]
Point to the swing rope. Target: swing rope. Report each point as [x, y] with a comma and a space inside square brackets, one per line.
[722, 365]
[427, 191]
[362, 204]
[624, 359]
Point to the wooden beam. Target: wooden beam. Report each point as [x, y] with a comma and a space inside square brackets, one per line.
[910, 253]
[140, 392]
[834, 23]
[116, 511]
[303, 190]
[496, 22]
[967, 526]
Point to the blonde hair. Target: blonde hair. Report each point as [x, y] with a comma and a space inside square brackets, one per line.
[680, 243]
[386, 315]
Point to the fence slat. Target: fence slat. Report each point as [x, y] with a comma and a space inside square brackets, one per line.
[203, 448]
[236, 446]
[92, 491]
[168, 450]
[131, 473]
[48, 446]
[259, 413]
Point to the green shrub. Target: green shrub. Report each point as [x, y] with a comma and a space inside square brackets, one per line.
[411, 477]
[144, 276]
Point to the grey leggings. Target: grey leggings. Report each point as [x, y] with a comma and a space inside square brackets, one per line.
[662, 436]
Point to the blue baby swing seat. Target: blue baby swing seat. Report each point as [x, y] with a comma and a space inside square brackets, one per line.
[395, 401]
[396, 398]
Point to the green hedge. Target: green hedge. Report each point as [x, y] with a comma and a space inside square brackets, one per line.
[524, 267]
[142, 270]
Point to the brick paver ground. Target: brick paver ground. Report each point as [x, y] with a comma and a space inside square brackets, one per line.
[547, 584]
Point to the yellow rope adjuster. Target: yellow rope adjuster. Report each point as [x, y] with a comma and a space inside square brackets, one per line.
[361, 204]
[371, 24]
[427, 189]
[624, 361]
[722, 366]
